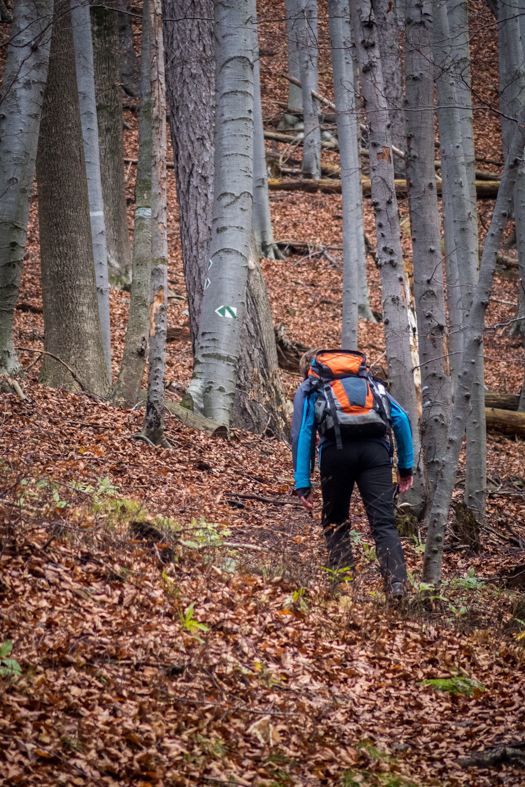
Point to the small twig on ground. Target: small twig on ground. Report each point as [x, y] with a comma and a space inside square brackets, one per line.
[271, 500]
[142, 437]
[70, 370]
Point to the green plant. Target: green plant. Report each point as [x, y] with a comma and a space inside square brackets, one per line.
[205, 534]
[419, 546]
[343, 574]
[9, 668]
[297, 599]
[187, 622]
[456, 685]
[470, 582]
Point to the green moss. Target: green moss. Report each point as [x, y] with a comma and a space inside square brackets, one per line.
[456, 685]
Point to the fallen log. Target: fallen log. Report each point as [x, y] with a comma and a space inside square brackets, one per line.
[486, 189]
[505, 421]
[279, 136]
[288, 352]
[191, 419]
[501, 401]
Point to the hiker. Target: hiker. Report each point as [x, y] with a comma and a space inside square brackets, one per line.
[353, 414]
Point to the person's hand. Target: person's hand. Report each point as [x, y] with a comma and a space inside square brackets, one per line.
[404, 484]
[305, 496]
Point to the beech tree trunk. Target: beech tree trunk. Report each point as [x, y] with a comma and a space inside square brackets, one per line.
[190, 81]
[81, 23]
[426, 234]
[295, 94]
[106, 50]
[137, 334]
[457, 192]
[390, 256]
[22, 96]
[262, 221]
[71, 316]
[346, 107]
[259, 404]
[389, 46]
[308, 63]
[153, 427]
[129, 64]
[212, 388]
[473, 340]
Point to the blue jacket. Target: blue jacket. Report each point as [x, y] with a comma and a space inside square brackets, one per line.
[303, 427]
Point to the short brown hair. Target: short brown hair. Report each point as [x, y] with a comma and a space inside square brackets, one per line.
[305, 361]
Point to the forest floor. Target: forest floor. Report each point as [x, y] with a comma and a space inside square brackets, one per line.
[170, 617]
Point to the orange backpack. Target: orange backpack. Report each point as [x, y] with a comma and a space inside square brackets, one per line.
[350, 401]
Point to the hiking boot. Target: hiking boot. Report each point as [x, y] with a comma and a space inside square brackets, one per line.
[397, 591]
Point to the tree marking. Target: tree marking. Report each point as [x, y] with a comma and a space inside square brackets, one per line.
[230, 312]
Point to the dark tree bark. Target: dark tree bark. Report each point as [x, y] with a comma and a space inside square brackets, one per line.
[129, 64]
[71, 316]
[106, 50]
[190, 85]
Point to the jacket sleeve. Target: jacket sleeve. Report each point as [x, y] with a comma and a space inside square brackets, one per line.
[403, 435]
[302, 434]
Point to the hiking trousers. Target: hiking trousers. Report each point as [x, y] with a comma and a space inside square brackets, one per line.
[367, 463]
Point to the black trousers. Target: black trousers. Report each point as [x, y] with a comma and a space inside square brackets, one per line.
[367, 463]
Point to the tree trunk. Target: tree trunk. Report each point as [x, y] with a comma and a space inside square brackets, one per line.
[153, 427]
[392, 65]
[308, 63]
[81, 23]
[129, 65]
[217, 352]
[390, 256]
[262, 221]
[71, 317]
[24, 82]
[295, 94]
[190, 78]
[137, 335]
[5, 16]
[473, 341]
[457, 191]
[345, 101]
[259, 404]
[110, 127]
[426, 234]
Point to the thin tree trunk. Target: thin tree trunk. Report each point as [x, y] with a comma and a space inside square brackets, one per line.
[217, 352]
[259, 404]
[110, 128]
[295, 94]
[389, 46]
[190, 78]
[457, 191]
[81, 23]
[395, 316]
[262, 221]
[308, 63]
[153, 427]
[426, 235]
[345, 102]
[71, 316]
[129, 64]
[473, 340]
[21, 101]
[137, 335]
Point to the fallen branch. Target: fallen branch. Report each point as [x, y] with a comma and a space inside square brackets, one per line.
[191, 419]
[272, 500]
[73, 374]
[279, 136]
[485, 189]
[501, 401]
[505, 421]
[513, 754]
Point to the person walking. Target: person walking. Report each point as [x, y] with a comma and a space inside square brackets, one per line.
[354, 416]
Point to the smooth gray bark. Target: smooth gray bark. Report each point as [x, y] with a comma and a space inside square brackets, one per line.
[104, 26]
[389, 45]
[212, 388]
[262, 220]
[473, 340]
[390, 256]
[21, 101]
[81, 22]
[457, 192]
[190, 83]
[345, 102]
[308, 53]
[426, 234]
[295, 94]
[137, 334]
[153, 427]
[71, 317]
